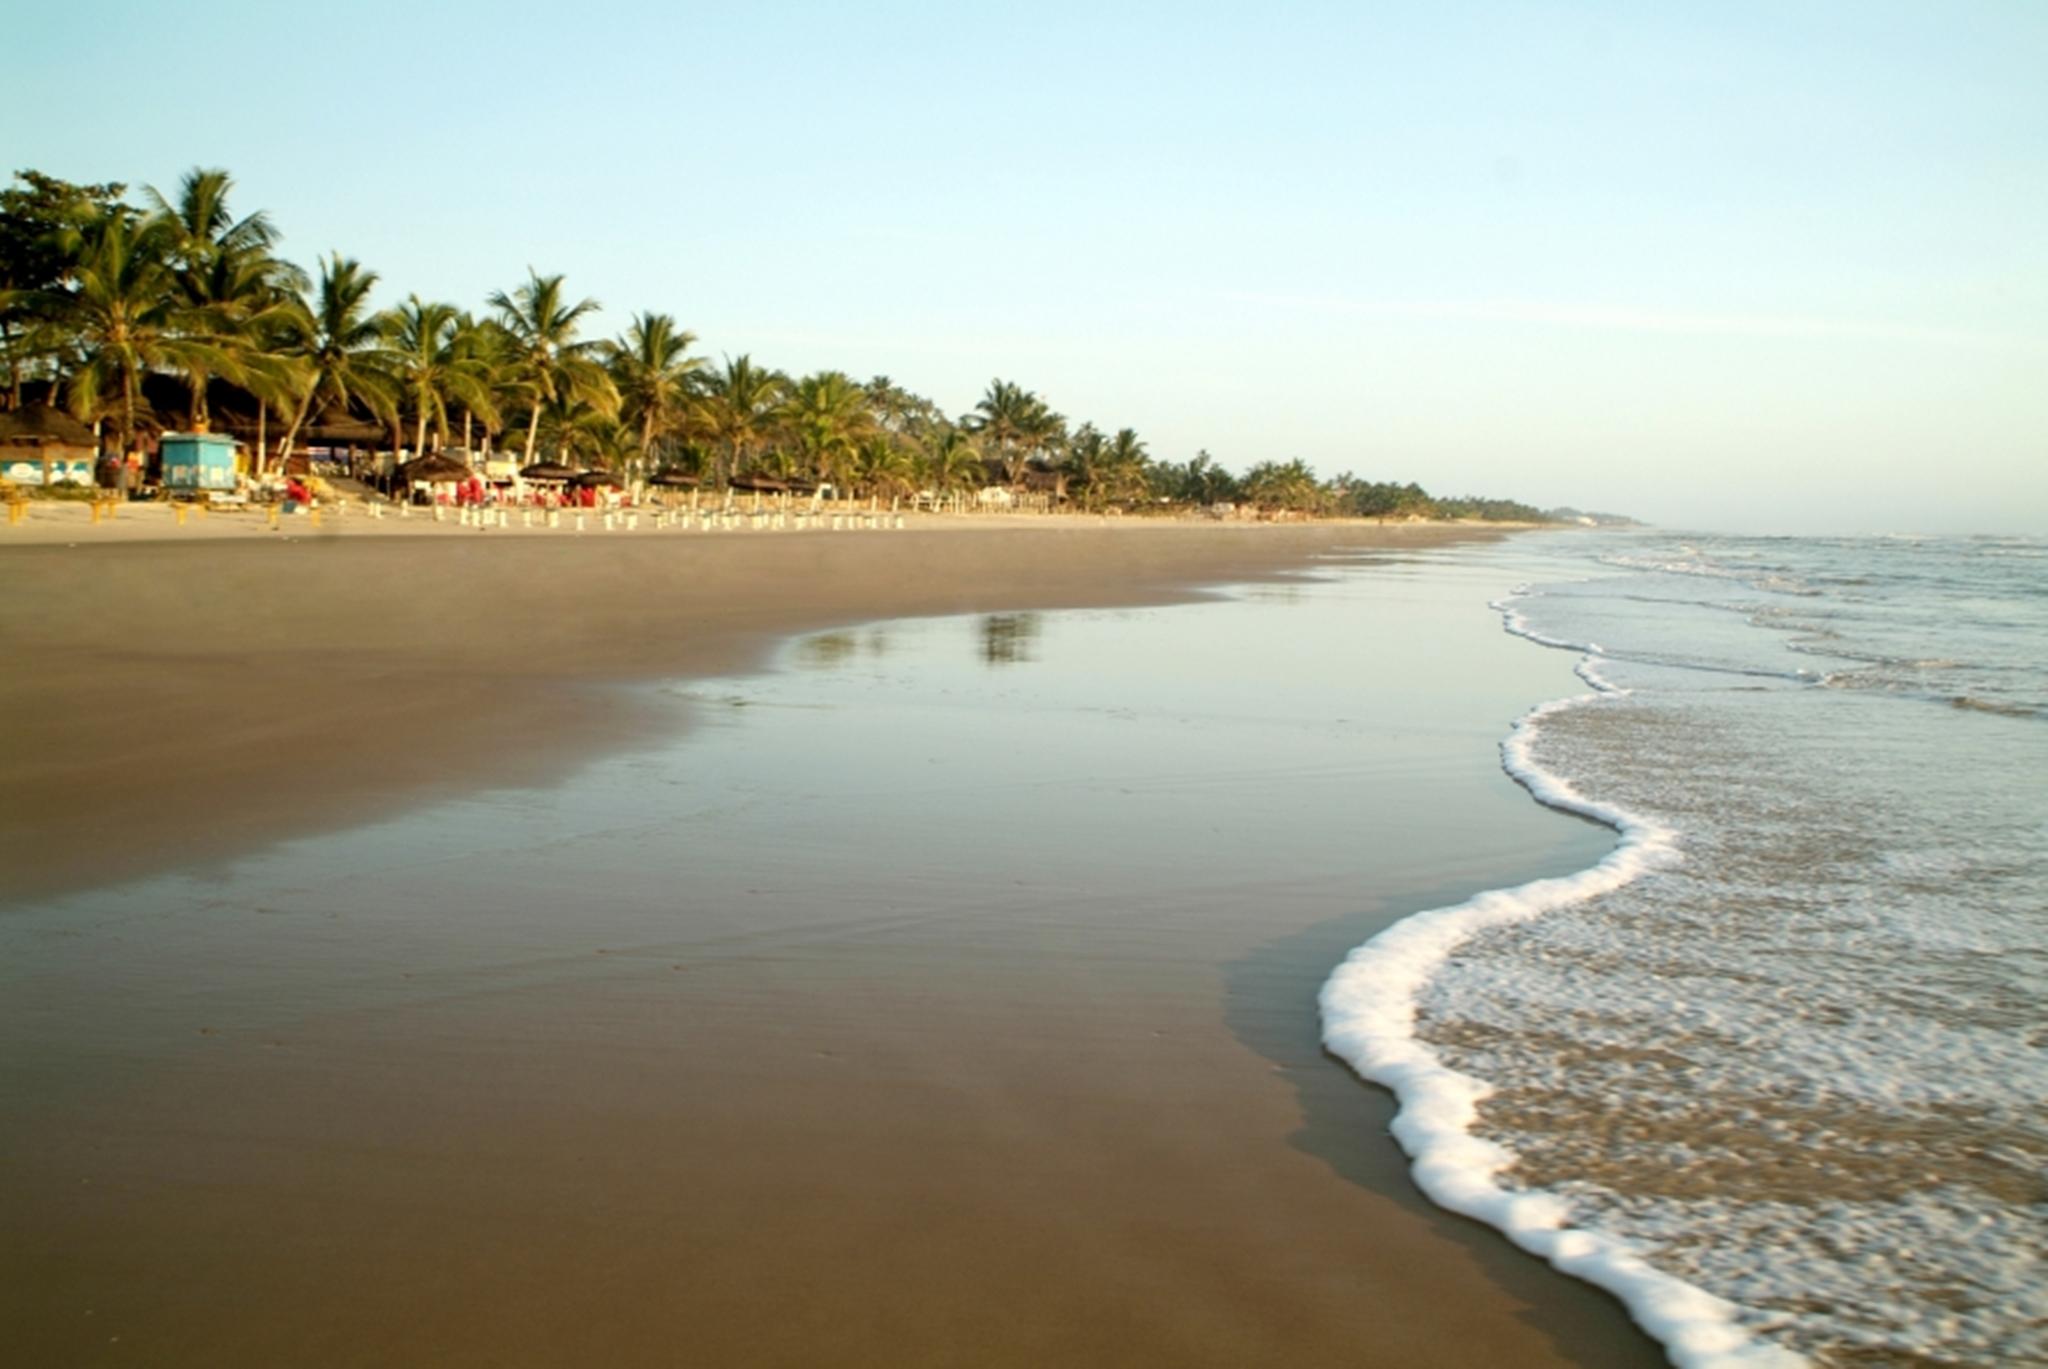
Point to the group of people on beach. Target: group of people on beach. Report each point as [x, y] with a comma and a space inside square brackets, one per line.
[121, 476]
[475, 492]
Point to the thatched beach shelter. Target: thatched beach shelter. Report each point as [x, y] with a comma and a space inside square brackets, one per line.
[548, 470]
[669, 483]
[432, 470]
[345, 430]
[42, 445]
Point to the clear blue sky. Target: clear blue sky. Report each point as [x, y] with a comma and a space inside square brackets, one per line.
[1751, 265]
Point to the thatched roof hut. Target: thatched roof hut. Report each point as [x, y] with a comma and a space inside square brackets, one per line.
[432, 470]
[38, 426]
[1040, 479]
[344, 430]
[548, 470]
[40, 445]
[1037, 477]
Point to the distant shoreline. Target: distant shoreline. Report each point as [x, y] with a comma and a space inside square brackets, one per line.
[48, 520]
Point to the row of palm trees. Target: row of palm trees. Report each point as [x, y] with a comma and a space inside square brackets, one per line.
[184, 287]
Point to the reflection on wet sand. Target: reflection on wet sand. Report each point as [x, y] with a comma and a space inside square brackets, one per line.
[824, 650]
[1010, 638]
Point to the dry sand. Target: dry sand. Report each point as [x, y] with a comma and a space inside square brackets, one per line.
[1014, 1158]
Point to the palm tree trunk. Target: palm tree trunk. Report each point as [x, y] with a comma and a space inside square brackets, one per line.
[13, 367]
[292, 433]
[532, 432]
[128, 386]
[262, 429]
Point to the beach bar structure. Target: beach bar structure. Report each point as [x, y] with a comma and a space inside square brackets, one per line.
[198, 461]
[44, 446]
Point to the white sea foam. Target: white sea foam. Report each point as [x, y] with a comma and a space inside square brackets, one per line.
[1800, 1072]
[1369, 1017]
[1518, 623]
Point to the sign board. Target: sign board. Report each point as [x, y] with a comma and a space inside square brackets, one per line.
[61, 472]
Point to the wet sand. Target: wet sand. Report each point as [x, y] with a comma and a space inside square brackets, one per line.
[1040, 1087]
[180, 694]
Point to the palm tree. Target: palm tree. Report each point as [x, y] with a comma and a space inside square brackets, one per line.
[579, 432]
[737, 411]
[341, 346]
[1018, 422]
[201, 222]
[901, 413]
[237, 300]
[1270, 485]
[951, 462]
[1003, 416]
[484, 349]
[826, 416]
[1045, 432]
[1124, 468]
[1086, 451]
[1205, 482]
[33, 269]
[652, 370]
[123, 307]
[434, 370]
[882, 466]
[271, 371]
[230, 283]
[548, 358]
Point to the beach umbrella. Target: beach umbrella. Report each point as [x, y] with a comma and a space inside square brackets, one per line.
[585, 478]
[672, 479]
[549, 470]
[761, 484]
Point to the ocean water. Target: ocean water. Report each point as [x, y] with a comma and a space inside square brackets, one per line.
[1773, 1071]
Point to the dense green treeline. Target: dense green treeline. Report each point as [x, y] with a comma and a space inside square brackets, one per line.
[169, 312]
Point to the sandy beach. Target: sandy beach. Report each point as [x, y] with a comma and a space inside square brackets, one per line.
[361, 1013]
[197, 690]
